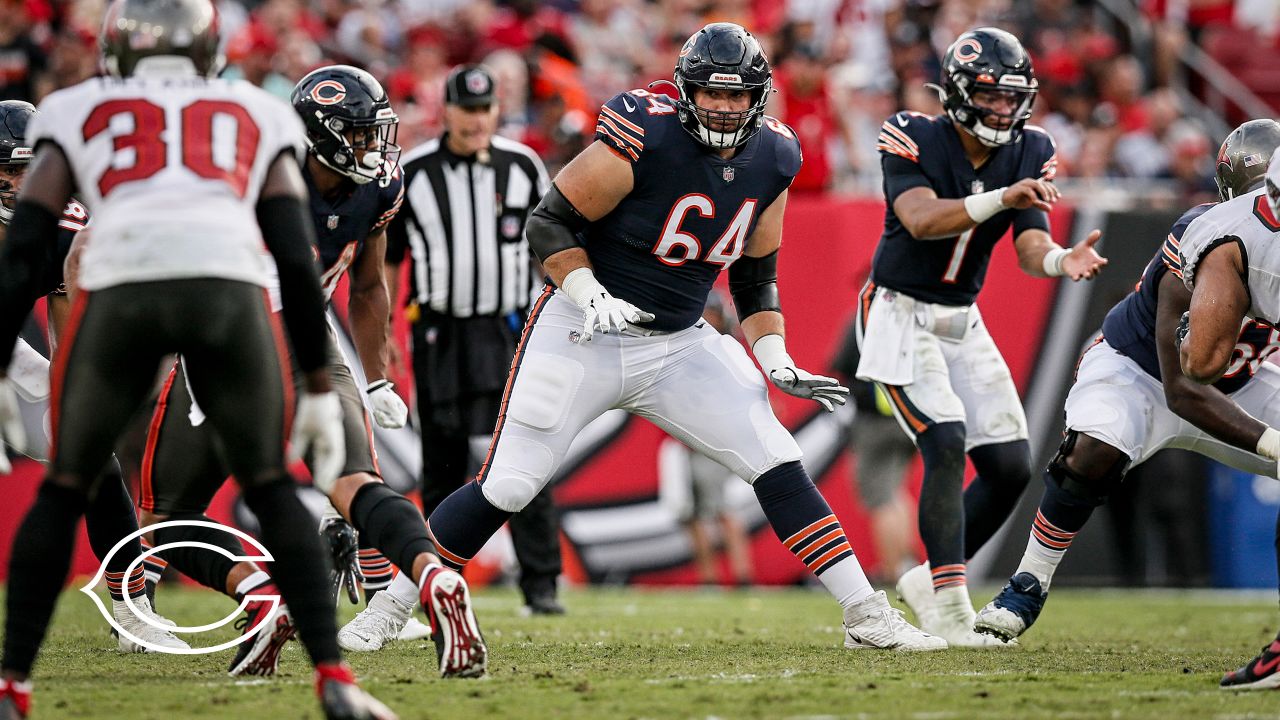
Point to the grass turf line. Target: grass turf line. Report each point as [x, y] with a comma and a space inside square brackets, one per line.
[636, 653]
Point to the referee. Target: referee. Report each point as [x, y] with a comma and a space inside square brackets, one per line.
[467, 196]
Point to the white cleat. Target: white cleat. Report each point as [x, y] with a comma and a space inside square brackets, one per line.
[952, 616]
[415, 629]
[378, 624]
[154, 636]
[874, 624]
[915, 588]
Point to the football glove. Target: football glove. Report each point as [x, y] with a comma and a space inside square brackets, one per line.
[344, 549]
[317, 429]
[11, 430]
[1184, 327]
[606, 313]
[389, 411]
[783, 373]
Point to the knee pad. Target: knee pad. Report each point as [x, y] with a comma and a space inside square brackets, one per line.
[548, 385]
[510, 486]
[1091, 490]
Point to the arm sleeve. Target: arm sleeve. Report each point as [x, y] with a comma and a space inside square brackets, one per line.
[24, 257]
[900, 175]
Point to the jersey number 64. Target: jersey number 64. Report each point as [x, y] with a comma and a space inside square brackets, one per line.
[676, 247]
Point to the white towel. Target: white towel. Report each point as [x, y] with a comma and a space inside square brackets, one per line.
[29, 372]
[887, 339]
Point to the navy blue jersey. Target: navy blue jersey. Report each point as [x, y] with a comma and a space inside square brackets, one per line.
[1130, 326]
[921, 151]
[74, 218]
[343, 224]
[689, 213]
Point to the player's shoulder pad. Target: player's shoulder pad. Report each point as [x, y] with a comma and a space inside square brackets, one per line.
[904, 132]
[390, 197]
[1170, 250]
[275, 113]
[1241, 217]
[786, 145]
[1040, 144]
[53, 111]
[632, 119]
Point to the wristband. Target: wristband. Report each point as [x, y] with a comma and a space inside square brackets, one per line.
[983, 206]
[377, 385]
[582, 286]
[1053, 261]
[771, 352]
[1269, 444]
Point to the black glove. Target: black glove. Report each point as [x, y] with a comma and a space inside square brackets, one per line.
[1184, 326]
[344, 549]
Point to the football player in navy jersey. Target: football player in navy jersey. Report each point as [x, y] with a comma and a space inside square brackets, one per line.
[1132, 399]
[954, 184]
[110, 515]
[633, 233]
[355, 188]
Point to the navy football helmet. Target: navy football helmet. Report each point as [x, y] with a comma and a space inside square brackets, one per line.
[722, 55]
[15, 153]
[1243, 157]
[346, 111]
[992, 61]
[134, 30]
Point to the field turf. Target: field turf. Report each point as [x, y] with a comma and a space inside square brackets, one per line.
[631, 653]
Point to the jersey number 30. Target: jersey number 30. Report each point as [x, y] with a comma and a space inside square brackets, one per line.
[676, 247]
[150, 152]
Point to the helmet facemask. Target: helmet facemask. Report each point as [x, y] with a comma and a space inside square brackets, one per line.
[336, 151]
[10, 181]
[958, 98]
[722, 129]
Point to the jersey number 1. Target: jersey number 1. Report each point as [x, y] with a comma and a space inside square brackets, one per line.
[957, 256]
[150, 152]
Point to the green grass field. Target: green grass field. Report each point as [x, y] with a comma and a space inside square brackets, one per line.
[632, 653]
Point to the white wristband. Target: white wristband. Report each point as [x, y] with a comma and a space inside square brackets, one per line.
[771, 352]
[983, 206]
[582, 287]
[1053, 261]
[1269, 444]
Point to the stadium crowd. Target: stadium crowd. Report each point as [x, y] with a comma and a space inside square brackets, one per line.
[841, 66]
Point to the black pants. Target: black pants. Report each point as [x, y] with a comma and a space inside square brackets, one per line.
[460, 368]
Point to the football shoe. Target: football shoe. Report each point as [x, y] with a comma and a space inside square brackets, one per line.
[447, 603]
[376, 625]
[874, 624]
[139, 628]
[15, 699]
[1015, 609]
[261, 655]
[342, 699]
[1260, 673]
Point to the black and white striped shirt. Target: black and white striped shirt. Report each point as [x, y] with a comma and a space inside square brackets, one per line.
[462, 226]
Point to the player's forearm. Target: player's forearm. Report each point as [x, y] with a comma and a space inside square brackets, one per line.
[559, 265]
[370, 322]
[757, 325]
[391, 275]
[1042, 257]
[1203, 358]
[1213, 412]
[937, 219]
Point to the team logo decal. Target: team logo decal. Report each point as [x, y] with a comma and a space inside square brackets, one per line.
[688, 45]
[1254, 159]
[968, 50]
[332, 222]
[329, 92]
[477, 82]
[727, 173]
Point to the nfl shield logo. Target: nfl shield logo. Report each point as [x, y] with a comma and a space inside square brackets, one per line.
[332, 224]
[510, 227]
[727, 173]
[976, 187]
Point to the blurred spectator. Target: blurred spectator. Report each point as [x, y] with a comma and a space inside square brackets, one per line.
[370, 36]
[802, 102]
[1191, 164]
[608, 52]
[23, 62]
[416, 88]
[74, 58]
[251, 55]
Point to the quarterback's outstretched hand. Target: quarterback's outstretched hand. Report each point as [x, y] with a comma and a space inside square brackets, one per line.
[606, 313]
[11, 431]
[389, 411]
[1083, 262]
[771, 351]
[317, 427]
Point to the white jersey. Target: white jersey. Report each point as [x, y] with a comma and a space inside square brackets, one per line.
[170, 166]
[1247, 220]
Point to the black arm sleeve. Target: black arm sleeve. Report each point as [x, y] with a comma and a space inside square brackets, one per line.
[753, 282]
[22, 267]
[289, 235]
[554, 225]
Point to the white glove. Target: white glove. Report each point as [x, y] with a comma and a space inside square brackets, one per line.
[389, 411]
[601, 311]
[11, 431]
[771, 351]
[317, 428]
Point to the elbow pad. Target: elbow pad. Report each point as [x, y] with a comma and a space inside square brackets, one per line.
[554, 225]
[753, 282]
[289, 234]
